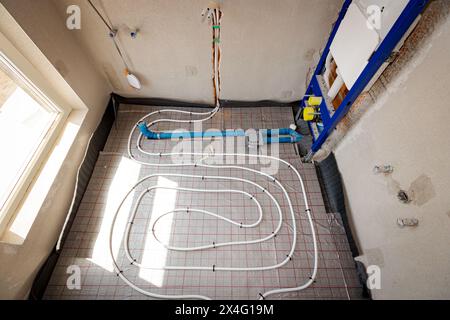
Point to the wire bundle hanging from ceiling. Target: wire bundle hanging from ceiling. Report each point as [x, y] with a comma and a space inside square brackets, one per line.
[214, 16]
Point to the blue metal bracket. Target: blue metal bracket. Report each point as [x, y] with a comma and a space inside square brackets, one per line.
[412, 10]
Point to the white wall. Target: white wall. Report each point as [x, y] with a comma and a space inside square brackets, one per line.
[408, 127]
[47, 43]
[267, 46]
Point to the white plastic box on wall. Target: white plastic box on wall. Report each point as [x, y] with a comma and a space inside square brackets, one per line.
[390, 11]
[355, 42]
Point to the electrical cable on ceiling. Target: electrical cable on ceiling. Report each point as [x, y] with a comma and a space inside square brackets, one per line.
[215, 16]
[101, 16]
[131, 78]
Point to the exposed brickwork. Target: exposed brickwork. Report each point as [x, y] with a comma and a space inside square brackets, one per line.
[434, 15]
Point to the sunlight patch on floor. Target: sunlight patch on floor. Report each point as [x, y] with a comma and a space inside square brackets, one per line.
[126, 176]
[154, 253]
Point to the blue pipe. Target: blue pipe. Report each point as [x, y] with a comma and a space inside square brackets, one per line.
[283, 135]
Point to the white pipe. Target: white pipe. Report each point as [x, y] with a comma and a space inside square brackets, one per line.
[74, 196]
[216, 18]
[337, 85]
[210, 114]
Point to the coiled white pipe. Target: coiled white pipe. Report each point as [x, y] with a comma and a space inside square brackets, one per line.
[215, 245]
[216, 20]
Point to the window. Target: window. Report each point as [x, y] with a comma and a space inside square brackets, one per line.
[29, 125]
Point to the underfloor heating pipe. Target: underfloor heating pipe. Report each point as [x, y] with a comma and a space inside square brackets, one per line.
[201, 163]
[206, 247]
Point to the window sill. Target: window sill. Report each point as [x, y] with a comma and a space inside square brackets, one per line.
[22, 222]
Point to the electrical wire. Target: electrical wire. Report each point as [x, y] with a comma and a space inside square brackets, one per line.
[110, 28]
[120, 53]
[218, 268]
[112, 34]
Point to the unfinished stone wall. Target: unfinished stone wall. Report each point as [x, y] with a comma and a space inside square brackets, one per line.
[436, 13]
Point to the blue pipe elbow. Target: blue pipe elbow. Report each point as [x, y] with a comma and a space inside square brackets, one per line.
[147, 133]
[296, 137]
[283, 135]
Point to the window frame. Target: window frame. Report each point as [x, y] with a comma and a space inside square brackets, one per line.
[34, 83]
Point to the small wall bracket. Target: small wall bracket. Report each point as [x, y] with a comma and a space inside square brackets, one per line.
[407, 222]
[386, 169]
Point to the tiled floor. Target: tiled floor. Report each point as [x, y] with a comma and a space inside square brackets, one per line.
[87, 243]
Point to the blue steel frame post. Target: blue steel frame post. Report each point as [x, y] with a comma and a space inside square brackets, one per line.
[412, 10]
[325, 52]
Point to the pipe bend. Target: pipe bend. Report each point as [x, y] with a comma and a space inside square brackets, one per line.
[146, 132]
[296, 137]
